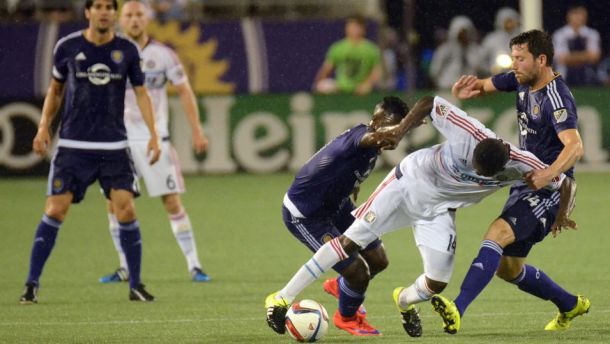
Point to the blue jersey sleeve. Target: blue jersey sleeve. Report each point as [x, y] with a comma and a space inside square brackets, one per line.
[134, 71]
[60, 62]
[505, 82]
[560, 108]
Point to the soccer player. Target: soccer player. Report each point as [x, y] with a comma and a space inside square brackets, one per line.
[424, 191]
[317, 208]
[163, 178]
[548, 128]
[92, 67]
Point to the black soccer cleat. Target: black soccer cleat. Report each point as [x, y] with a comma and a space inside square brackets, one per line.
[411, 322]
[29, 294]
[140, 294]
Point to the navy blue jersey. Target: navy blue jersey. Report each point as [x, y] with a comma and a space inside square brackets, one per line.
[542, 115]
[329, 177]
[96, 78]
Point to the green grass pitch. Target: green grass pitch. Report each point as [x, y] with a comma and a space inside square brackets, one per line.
[248, 252]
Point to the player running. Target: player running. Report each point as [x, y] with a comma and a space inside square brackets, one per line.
[423, 191]
[164, 178]
[317, 207]
[92, 67]
[548, 127]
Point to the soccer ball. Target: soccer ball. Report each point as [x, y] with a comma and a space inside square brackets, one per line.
[307, 321]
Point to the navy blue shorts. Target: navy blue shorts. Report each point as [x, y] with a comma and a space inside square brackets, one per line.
[73, 170]
[315, 232]
[530, 215]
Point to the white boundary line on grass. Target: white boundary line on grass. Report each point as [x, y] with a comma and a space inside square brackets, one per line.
[144, 322]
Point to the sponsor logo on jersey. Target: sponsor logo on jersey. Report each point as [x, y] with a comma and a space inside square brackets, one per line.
[99, 74]
[370, 217]
[116, 56]
[560, 115]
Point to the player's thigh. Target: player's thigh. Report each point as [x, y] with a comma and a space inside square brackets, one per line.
[530, 216]
[117, 172]
[436, 239]
[382, 213]
[313, 233]
[165, 176]
[72, 171]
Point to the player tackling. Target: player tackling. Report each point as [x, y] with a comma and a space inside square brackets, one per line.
[423, 192]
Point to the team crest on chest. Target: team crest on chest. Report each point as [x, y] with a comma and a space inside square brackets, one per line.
[150, 64]
[536, 110]
[116, 56]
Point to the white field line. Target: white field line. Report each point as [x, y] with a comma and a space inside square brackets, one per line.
[261, 318]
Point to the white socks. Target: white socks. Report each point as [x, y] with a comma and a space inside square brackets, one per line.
[113, 226]
[415, 293]
[325, 258]
[183, 231]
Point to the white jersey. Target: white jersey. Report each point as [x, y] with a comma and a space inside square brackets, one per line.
[160, 64]
[444, 175]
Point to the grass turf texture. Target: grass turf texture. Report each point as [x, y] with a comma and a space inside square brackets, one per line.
[246, 249]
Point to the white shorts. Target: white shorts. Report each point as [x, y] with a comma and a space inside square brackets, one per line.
[387, 210]
[165, 176]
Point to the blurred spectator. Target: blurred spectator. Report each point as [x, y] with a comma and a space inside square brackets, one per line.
[459, 55]
[355, 59]
[389, 46]
[496, 49]
[165, 10]
[577, 49]
[55, 10]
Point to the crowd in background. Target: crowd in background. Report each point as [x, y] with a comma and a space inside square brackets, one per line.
[458, 49]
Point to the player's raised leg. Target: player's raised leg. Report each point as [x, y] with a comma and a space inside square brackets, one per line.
[183, 232]
[56, 208]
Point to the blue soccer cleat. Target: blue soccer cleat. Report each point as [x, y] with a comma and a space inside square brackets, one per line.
[120, 275]
[197, 275]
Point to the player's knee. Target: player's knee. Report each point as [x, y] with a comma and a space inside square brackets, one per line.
[436, 286]
[56, 212]
[348, 245]
[500, 232]
[125, 212]
[378, 264]
[508, 272]
[172, 204]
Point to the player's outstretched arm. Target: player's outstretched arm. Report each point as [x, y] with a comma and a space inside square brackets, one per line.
[146, 108]
[567, 202]
[189, 103]
[388, 137]
[52, 102]
[469, 86]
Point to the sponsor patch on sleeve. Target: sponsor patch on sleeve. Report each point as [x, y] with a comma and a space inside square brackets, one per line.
[560, 115]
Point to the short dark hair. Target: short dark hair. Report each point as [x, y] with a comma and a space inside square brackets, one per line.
[491, 155]
[395, 107]
[89, 3]
[358, 18]
[538, 43]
